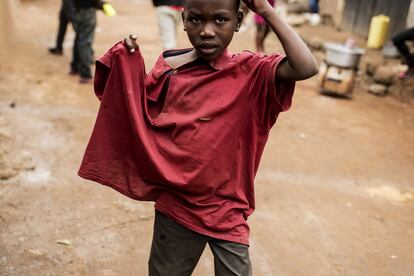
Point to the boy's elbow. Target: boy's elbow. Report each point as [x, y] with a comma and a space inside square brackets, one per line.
[313, 70]
[309, 71]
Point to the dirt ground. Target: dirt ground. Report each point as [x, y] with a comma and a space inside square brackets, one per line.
[334, 190]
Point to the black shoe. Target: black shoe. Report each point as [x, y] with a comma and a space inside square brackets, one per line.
[56, 51]
[85, 80]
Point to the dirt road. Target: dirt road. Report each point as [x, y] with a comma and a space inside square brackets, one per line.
[334, 191]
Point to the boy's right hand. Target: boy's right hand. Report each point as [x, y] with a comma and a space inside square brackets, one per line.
[259, 6]
[130, 43]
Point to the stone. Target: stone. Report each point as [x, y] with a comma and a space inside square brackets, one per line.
[385, 75]
[370, 68]
[24, 162]
[295, 20]
[377, 89]
[315, 43]
[298, 6]
[403, 90]
[7, 173]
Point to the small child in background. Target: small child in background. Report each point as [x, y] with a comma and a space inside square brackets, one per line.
[169, 17]
[262, 29]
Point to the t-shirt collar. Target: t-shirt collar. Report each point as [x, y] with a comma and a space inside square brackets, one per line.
[161, 66]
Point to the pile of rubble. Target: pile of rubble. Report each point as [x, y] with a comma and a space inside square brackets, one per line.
[381, 79]
[12, 160]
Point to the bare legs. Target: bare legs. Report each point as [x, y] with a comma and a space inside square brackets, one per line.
[262, 30]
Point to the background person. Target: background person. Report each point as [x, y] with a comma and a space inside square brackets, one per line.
[400, 41]
[262, 30]
[84, 24]
[168, 17]
[66, 15]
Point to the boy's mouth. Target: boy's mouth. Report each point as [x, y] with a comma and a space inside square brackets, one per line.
[207, 48]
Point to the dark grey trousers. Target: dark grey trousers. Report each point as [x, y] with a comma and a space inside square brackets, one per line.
[84, 25]
[175, 251]
[67, 15]
[400, 41]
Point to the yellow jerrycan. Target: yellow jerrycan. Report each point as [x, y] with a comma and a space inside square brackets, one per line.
[378, 31]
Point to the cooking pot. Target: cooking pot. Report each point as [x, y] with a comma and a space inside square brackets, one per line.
[342, 56]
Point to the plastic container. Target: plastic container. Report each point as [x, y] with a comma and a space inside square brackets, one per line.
[108, 9]
[342, 56]
[378, 31]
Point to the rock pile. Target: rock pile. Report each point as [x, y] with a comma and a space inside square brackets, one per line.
[12, 161]
[381, 78]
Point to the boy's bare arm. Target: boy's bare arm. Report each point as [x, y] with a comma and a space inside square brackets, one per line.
[301, 64]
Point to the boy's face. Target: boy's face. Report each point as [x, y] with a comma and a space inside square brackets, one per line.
[210, 25]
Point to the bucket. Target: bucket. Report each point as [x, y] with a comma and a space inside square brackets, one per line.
[342, 56]
[378, 31]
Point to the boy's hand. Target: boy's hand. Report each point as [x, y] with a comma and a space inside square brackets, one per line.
[130, 43]
[258, 6]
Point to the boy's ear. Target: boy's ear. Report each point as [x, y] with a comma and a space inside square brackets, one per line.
[240, 16]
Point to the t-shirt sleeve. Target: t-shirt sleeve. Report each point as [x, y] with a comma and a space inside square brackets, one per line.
[269, 95]
[103, 66]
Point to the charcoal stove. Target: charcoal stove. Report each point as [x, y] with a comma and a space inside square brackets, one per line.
[338, 71]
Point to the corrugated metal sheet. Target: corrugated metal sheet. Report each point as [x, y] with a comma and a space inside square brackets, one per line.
[410, 19]
[358, 13]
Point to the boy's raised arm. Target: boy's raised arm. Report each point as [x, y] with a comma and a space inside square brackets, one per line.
[300, 64]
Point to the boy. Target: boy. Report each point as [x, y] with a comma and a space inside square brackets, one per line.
[190, 134]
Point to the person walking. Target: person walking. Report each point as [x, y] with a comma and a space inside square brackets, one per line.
[168, 16]
[84, 24]
[399, 41]
[66, 15]
[262, 29]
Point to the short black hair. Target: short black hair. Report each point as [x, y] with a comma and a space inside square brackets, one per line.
[237, 4]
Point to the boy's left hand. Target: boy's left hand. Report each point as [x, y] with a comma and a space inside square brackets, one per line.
[258, 6]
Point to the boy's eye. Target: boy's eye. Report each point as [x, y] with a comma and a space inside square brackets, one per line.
[221, 20]
[195, 20]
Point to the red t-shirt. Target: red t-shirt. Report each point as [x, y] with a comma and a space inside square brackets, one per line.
[189, 139]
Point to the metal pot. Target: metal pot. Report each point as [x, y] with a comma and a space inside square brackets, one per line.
[342, 56]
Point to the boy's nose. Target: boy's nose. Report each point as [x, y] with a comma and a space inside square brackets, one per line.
[208, 30]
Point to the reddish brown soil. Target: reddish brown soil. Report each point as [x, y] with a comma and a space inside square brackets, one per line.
[334, 191]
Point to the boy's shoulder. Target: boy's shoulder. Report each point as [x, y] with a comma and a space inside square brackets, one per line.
[251, 61]
[247, 54]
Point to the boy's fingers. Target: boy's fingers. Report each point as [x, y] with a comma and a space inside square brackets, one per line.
[129, 45]
[133, 37]
[134, 41]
